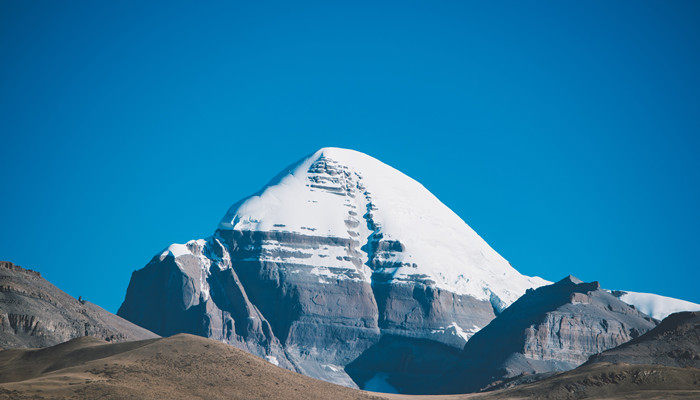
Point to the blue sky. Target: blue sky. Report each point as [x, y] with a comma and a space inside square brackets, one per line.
[564, 133]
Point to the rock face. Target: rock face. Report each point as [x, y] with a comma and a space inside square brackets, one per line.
[35, 313]
[674, 343]
[552, 328]
[334, 253]
[664, 363]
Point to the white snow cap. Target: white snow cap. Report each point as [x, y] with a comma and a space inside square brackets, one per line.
[347, 194]
[657, 306]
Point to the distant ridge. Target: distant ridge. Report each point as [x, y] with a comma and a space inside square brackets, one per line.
[35, 313]
[549, 329]
[661, 364]
[675, 342]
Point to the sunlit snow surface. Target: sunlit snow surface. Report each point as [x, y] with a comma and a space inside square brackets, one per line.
[177, 250]
[657, 306]
[361, 197]
[455, 335]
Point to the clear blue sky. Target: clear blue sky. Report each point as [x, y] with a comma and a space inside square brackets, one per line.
[565, 133]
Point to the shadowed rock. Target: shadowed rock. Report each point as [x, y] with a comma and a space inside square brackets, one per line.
[647, 367]
[675, 342]
[552, 328]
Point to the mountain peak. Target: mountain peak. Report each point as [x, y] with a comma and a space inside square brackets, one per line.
[348, 195]
[571, 279]
[339, 152]
[338, 248]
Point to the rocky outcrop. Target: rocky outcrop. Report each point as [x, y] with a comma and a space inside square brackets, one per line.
[35, 313]
[223, 290]
[663, 363]
[675, 342]
[552, 328]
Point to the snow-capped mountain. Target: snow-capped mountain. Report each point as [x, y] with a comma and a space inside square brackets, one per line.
[401, 231]
[335, 252]
[337, 255]
[655, 305]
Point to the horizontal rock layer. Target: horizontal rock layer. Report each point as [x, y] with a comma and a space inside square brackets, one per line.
[552, 328]
[309, 319]
[675, 342]
[35, 313]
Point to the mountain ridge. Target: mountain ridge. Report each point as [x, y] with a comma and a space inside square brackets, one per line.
[675, 342]
[35, 313]
[551, 328]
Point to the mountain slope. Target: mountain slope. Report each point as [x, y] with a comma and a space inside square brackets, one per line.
[552, 328]
[661, 364]
[335, 252]
[606, 381]
[187, 367]
[178, 367]
[35, 313]
[675, 342]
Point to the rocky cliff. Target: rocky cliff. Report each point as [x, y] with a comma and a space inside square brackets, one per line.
[675, 342]
[552, 328]
[35, 313]
[661, 364]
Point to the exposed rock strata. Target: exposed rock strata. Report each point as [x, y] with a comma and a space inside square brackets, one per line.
[552, 328]
[661, 364]
[675, 342]
[35, 313]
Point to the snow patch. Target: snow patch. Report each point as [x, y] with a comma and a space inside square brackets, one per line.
[334, 368]
[272, 360]
[455, 335]
[176, 250]
[654, 305]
